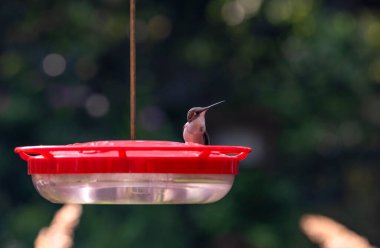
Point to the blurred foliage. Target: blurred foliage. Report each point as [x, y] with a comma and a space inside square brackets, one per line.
[302, 75]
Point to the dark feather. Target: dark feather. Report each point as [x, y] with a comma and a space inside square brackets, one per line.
[206, 138]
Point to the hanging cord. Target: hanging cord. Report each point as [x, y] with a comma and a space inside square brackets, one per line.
[132, 44]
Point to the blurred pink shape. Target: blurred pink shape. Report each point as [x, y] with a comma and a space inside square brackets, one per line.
[60, 232]
[330, 234]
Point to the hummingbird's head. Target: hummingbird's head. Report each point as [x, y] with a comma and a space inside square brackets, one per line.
[196, 112]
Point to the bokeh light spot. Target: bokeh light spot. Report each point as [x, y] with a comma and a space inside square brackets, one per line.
[374, 70]
[152, 118]
[344, 23]
[97, 105]
[373, 33]
[54, 64]
[295, 11]
[251, 7]
[114, 27]
[159, 27]
[10, 64]
[278, 11]
[201, 52]
[233, 13]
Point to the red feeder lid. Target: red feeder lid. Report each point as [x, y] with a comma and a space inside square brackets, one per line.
[131, 156]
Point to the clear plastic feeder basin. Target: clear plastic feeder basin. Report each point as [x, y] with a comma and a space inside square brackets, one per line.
[133, 172]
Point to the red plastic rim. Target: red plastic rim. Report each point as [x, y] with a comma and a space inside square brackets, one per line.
[127, 156]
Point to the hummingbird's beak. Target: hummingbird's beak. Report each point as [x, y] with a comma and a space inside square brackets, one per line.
[212, 105]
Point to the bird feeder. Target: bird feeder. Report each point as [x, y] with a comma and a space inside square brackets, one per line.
[133, 171]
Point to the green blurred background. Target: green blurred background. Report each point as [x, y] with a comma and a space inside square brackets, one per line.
[301, 80]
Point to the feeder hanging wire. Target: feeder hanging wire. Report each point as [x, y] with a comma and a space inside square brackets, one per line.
[132, 41]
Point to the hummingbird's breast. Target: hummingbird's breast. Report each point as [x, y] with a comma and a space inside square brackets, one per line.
[194, 131]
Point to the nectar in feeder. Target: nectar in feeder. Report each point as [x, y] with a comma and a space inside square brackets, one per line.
[133, 172]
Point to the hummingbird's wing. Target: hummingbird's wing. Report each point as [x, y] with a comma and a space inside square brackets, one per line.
[206, 138]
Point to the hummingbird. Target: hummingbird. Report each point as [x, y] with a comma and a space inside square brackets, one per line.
[195, 128]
